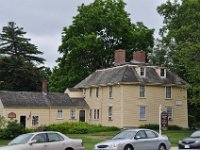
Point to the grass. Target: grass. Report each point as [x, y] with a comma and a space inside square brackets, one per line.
[91, 139]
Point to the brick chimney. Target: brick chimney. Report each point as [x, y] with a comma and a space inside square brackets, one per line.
[120, 56]
[139, 56]
[44, 86]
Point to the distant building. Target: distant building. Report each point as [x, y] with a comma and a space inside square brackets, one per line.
[33, 109]
[129, 94]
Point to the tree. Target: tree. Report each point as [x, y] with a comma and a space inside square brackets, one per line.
[182, 36]
[89, 43]
[18, 70]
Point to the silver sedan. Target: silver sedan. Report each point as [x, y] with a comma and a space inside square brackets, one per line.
[136, 139]
[49, 140]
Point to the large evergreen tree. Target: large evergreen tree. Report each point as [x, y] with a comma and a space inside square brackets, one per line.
[18, 61]
[89, 43]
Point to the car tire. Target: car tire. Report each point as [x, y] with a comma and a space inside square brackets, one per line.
[128, 147]
[162, 147]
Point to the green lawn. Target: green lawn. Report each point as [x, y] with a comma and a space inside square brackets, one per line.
[91, 139]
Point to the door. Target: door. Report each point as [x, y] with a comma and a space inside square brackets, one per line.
[82, 115]
[23, 121]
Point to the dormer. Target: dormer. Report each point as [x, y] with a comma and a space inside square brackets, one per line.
[141, 70]
[161, 71]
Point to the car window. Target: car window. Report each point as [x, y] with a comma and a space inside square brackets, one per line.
[151, 134]
[196, 134]
[40, 138]
[21, 139]
[54, 137]
[124, 135]
[141, 134]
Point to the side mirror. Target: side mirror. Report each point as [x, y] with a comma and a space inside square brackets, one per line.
[137, 137]
[32, 142]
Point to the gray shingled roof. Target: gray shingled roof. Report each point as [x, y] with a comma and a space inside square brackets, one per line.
[127, 74]
[37, 99]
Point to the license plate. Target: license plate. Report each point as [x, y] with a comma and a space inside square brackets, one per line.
[187, 146]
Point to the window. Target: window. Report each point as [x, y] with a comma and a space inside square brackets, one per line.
[95, 114]
[151, 134]
[168, 92]
[53, 137]
[90, 91]
[142, 112]
[60, 113]
[142, 91]
[84, 91]
[97, 92]
[169, 112]
[110, 91]
[141, 134]
[72, 114]
[35, 120]
[110, 109]
[162, 72]
[90, 113]
[40, 138]
[142, 72]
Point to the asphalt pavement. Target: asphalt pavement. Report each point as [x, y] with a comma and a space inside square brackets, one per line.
[174, 148]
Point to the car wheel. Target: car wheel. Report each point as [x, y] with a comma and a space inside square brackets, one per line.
[162, 147]
[128, 147]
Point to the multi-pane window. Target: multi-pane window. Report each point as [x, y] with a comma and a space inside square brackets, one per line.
[95, 114]
[142, 112]
[72, 114]
[60, 113]
[90, 91]
[97, 92]
[142, 72]
[169, 112]
[90, 113]
[110, 109]
[142, 91]
[35, 120]
[162, 72]
[168, 92]
[110, 91]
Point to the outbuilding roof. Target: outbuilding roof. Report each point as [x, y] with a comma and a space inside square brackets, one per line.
[127, 74]
[38, 99]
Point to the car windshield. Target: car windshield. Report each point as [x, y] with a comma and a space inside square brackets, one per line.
[21, 139]
[125, 135]
[196, 134]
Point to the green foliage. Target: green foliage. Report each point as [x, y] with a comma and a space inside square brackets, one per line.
[77, 128]
[18, 61]
[2, 122]
[89, 43]
[12, 130]
[156, 127]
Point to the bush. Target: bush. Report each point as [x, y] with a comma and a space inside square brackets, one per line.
[12, 130]
[76, 128]
[156, 127]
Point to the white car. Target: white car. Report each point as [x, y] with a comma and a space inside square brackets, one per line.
[136, 139]
[48, 140]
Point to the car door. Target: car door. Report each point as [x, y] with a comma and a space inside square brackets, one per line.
[40, 142]
[153, 140]
[56, 142]
[140, 142]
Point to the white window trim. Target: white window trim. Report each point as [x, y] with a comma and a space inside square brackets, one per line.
[110, 91]
[72, 115]
[145, 112]
[60, 116]
[140, 91]
[168, 98]
[144, 75]
[110, 116]
[170, 118]
[164, 72]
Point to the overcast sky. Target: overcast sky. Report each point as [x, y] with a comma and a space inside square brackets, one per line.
[43, 20]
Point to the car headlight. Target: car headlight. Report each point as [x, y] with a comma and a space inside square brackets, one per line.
[115, 145]
[179, 141]
[197, 141]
